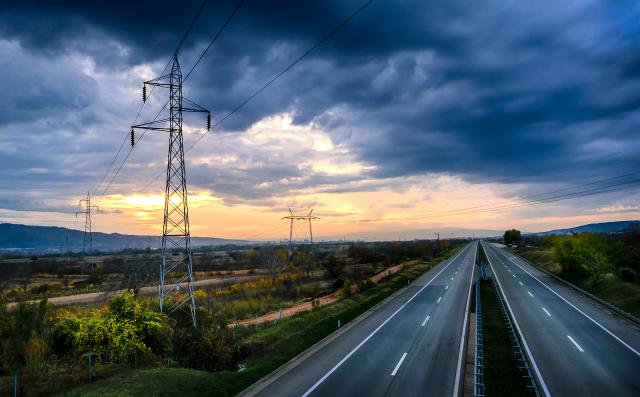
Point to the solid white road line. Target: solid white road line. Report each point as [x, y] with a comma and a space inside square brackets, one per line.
[575, 343]
[637, 353]
[524, 342]
[355, 349]
[439, 299]
[425, 321]
[530, 294]
[395, 370]
[545, 310]
[456, 386]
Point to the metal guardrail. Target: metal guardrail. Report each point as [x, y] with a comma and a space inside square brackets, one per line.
[617, 310]
[478, 370]
[523, 363]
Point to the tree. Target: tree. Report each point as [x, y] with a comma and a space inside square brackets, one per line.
[274, 261]
[512, 236]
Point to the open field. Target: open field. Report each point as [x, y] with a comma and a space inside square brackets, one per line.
[273, 346]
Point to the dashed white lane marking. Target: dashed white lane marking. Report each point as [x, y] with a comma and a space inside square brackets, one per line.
[425, 321]
[545, 310]
[395, 370]
[439, 299]
[447, 287]
[530, 294]
[451, 278]
[520, 282]
[614, 336]
[355, 349]
[575, 343]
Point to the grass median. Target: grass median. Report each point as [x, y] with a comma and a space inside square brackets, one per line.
[501, 374]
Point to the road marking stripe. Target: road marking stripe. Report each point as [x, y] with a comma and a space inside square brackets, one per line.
[524, 342]
[521, 283]
[439, 299]
[395, 370]
[425, 321]
[451, 278]
[575, 343]
[456, 386]
[355, 349]
[447, 287]
[545, 310]
[637, 353]
[530, 294]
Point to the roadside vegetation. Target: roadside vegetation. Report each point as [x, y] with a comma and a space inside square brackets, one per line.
[50, 348]
[607, 265]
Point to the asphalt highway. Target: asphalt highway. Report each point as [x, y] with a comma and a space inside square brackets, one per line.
[408, 346]
[577, 347]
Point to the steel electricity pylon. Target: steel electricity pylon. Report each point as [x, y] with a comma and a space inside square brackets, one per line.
[300, 218]
[176, 239]
[87, 208]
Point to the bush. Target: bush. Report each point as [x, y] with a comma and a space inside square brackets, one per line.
[114, 334]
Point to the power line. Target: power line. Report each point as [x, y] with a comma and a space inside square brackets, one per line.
[176, 51]
[215, 38]
[276, 77]
[499, 206]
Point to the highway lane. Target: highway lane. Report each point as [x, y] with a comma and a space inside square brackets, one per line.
[578, 347]
[410, 345]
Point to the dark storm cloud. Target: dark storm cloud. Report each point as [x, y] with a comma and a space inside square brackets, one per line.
[499, 92]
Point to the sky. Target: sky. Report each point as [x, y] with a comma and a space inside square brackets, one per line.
[416, 117]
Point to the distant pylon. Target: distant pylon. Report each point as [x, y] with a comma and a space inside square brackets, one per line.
[86, 208]
[176, 239]
[293, 217]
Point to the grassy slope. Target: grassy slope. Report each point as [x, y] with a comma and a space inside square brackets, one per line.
[612, 289]
[275, 345]
[502, 377]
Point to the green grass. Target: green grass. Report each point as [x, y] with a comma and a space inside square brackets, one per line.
[502, 377]
[612, 288]
[266, 349]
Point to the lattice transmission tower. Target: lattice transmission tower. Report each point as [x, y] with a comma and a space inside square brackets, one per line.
[176, 239]
[87, 208]
[293, 218]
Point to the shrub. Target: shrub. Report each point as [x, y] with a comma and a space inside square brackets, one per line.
[114, 333]
[34, 354]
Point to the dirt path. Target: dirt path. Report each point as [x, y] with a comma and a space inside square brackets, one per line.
[94, 298]
[307, 306]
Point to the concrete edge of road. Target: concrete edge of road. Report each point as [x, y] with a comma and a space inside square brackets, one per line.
[461, 374]
[285, 368]
[540, 383]
[612, 308]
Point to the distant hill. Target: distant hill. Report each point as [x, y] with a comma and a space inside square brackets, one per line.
[605, 227]
[51, 238]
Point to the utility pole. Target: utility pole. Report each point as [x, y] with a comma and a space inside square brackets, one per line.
[86, 208]
[437, 234]
[176, 239]
[301, 218]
